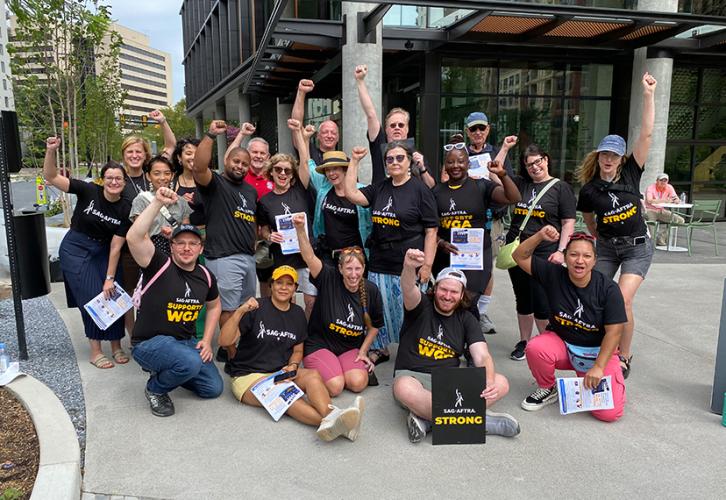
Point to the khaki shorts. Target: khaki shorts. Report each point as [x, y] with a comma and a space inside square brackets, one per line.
[241, 384]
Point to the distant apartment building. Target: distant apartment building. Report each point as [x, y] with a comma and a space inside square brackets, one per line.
[6, 88]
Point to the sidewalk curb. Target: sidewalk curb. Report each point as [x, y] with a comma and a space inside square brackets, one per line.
[59, 471]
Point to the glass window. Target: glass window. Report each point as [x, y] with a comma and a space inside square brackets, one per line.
[589, 80]
[471, 76]
[680, 121]
[678, 164]
[586, 122]
[683, 85]
[713, 85]
[711, 122]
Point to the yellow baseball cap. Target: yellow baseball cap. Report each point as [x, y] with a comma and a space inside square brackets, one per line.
[284, 271]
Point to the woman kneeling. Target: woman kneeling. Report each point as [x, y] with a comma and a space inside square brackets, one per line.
[266, 335]
[587, 314]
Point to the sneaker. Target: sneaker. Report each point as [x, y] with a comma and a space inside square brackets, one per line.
[417, 428]
[486, 324]
[372, 379]
[518, 352]
[501, 424]
[161, 404]
[625, 364]
[540, 398]
[358, 403]
[338, 422]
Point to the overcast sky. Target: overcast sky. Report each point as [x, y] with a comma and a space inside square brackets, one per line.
[160, 21]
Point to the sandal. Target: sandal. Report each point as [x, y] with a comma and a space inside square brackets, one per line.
[120, 357]
[372, 379]
[380, 356]
[625, 364]
[102, 362]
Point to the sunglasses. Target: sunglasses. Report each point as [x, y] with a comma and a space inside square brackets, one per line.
[281, 170]
[535, 163]
[397, 125]
[458, 145]
[477, 128]
[396, 158]
[579, 235]
[351, 250]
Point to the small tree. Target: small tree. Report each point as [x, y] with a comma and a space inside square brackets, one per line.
[176, 117]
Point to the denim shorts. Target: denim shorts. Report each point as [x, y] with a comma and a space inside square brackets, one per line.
[631, 259]
[235, 279]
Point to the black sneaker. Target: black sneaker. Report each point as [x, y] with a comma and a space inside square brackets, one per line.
[518, 352]
[161, 404]
[372, 379]
[540, 398]
[222, 355]
[417, 428]
[625, 365]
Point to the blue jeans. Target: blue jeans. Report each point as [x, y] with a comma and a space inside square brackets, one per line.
[175, 363]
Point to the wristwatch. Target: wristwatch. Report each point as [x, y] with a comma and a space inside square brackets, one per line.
[561, 250]
[210, 135]
[110, 277]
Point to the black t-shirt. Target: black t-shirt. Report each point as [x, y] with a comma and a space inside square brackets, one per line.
[292, 201]
[579, 315]
[171, 305]
[197, 217]
[95, 216]
[267, 338]
[336, 322]
[378, 158]
[340, 217]
[618, 206]
[498, 210]
[463, 206]
[134, 186]
[400, 215]
[230, 211]
[431, 340]
[557, 203]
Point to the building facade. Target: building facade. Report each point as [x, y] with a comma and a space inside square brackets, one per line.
[561, 74]
[7, 103]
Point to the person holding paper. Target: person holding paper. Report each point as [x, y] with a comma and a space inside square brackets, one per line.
[173, 291]
[587, 314]
[462, 205]
[345, 320]
[555, 207]
[89, 253]
[403, 211]
[266, 335]
[436, 330]
[289, 196]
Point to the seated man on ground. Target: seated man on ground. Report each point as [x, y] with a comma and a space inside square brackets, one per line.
[441, 317]
[266, 335]
[174, 289]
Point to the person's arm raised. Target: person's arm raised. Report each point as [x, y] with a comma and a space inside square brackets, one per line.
[304, 87]
[298, 140]
[50, 170]
[315, 265]
[506, 193]
[411, 294]
[203, 155]
[167, 132]
[352, 192]
[140, 245]
[523, 254]
[374, 124]
[245, 131]
[642, 144]
[229, 333]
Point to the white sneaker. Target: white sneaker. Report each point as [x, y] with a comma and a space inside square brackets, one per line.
[358, 403]
[417, 427]
[540, 398]
[501, 424]
[338, 422]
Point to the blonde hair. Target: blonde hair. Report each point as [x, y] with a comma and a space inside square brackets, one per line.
[397, 110]
[136, 139]
[280, 157]
[357, 254]
[589, 168]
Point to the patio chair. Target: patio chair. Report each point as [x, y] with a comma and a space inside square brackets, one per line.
[703, 216]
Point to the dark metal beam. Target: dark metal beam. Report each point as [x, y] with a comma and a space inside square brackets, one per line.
[462, 26]
[644, 41]
[544, 28]
[618, 33]
[367, 22]
[287, 26]
[332, 65]
[414, 34]
[712, 39]
[266, 36]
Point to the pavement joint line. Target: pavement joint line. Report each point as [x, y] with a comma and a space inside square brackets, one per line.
[672, 344]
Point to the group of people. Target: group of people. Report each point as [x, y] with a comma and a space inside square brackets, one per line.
[371, 262]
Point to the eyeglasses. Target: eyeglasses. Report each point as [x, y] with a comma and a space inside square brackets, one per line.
[458, 145]
[535, 163]
[396, 158]
[191, 244]
[281, 170]
[477, 128]
[397, 125]
[579, 235]
[111, 180]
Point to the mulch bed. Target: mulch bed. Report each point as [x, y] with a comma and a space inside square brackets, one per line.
[19, 450]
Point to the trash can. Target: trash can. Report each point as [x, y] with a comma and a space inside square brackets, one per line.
[32, 249]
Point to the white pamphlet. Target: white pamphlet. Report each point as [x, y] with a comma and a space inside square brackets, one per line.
[575, 398]
[10, 374]
[479, 165]
[276, 398]
[104, 312]
[470, 245]
[286, 228]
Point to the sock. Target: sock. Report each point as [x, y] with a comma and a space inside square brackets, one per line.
[483, 303]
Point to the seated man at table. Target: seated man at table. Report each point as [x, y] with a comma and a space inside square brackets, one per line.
[658, 193]
[437, 328]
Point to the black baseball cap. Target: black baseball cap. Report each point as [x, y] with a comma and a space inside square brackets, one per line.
[186, 228]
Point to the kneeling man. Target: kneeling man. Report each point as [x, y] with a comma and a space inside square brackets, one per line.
[174, 291]
[441, 318]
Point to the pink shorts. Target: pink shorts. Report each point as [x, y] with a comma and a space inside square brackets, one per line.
[329, 365]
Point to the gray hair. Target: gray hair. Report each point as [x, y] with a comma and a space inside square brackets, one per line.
[259, 139]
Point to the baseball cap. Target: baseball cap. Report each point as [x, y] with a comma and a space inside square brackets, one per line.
[476, 118]
[186, 228]
[613, 143]
[284, 271]
[450, 273]
[661, 176]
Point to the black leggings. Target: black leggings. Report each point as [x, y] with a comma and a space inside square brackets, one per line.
[529, 295]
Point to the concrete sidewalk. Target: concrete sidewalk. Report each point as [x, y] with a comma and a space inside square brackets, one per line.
[668, 444]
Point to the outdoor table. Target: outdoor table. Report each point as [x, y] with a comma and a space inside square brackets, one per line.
[673, 230]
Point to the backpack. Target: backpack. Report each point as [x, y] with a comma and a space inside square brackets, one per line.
[139, 291]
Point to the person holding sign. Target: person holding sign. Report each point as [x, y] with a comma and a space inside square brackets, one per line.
[462, 205]
[345, 320]
[89, 253]
[173, 291]
[437, 328]
[266, 335]
[289, 196]
[545, 201]
[585, 324]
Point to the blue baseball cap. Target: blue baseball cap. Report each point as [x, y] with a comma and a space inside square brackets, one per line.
[186, 228]
[613, 143]
[476, 118]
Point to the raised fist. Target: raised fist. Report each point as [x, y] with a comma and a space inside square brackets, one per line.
[298, 220]
[358, 153]
[305, 86]
[549, 233]
[308, 132]
[166, 196]
[360, 72]
[293, 124]
[217, 127]
[414, 258]
[247, 129]
[510, 141]
[649, 83]
[52, 143]
[157, 116]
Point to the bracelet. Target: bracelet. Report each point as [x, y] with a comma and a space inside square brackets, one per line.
[297, 365]
[210, 135]
[110, 277]
[561, 250]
